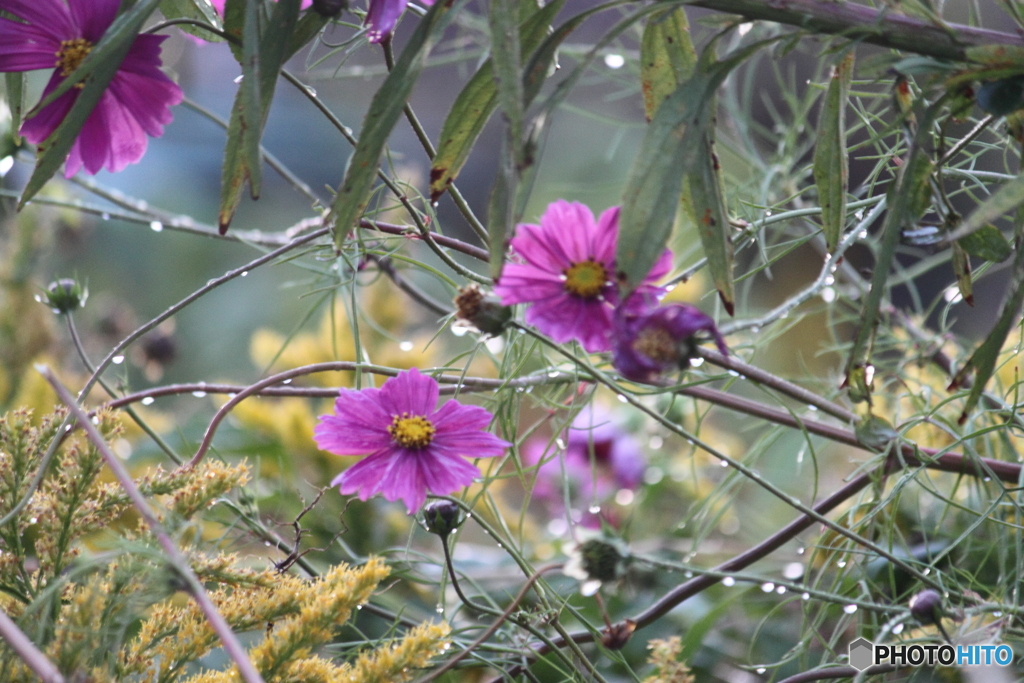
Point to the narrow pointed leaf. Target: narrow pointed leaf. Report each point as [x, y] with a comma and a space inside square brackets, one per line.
[265, 48]
[499, 209]
[962, 270]
[831, 169]
[505, 55]
[672, 147]
[983, 360]
[386, 107]
[96, 70]
[200, 10]
[16, 100]
[705, 202]
[905, 205]
[476, 103]
[1003, 201]
[667, 57]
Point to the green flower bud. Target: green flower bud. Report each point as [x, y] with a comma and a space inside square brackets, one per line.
[64, 296]
[597, 560]
[926, 606]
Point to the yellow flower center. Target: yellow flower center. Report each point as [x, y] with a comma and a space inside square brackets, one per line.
[71, 54]
[586, 278]
[411, 431]
[657, 344]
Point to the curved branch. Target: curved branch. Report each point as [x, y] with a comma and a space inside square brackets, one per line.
[867, 24]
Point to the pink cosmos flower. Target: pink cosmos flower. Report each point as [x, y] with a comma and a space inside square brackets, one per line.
[137, 102]
[412, 446]
[566, 273]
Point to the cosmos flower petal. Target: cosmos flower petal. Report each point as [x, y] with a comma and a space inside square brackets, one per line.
[447, 474]
[404, 480]
[335, 435]
[577, 243]
[46, 120]
[366, 476]
[521, 283]
[567, 317]
[606, 235]
[51, 16]
[23, 47]
[93, 17]
[410, 392]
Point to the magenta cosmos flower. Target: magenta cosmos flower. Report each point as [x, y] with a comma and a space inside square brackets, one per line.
[566, 271]
[137, 102]
[412, 446]
[650, 341]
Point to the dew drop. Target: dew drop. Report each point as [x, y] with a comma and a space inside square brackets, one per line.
[997, 613]
[458, 330]
[105, 216]
[238, 79]
[199, 394]
[287, 381]
[33, 520]
[724, 463]
[553, 373]
[614, 61]
[244, 273]
[734, 373]
[850, 609]
[761, 669]
[594, 509]
[148, 401]
[560, 442]
[156, 226]
[793, 570]
[927, 571]
[728, 581]
[812, 408]
[406, 346]
[439, 608]
[95, 419]
[897, 629]
[841, 563]
[800, 551]
[696, 362]
[863, 235]
[780, 590]
[622, 399]
[117, 360]
[767, 587]
[805, 596]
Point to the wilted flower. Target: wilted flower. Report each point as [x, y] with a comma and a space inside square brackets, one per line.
[482, 311]
[135, 104]
[567, 274]
[650, 341]
[412, 446]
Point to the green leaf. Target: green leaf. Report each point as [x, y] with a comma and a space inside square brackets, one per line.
[200, 10]
[475, 104]
[386, 107]
[16, 101]
[667, 57]
[507, 62]
[265, 44]
[96, 71]
[962, 270]
[831, 169]
[705, 202]
[987, 243]
[875, 432]
[309, 26]
[1001, 202]
[983, 360]
[906, 202]
[672, 147]
[499, 209]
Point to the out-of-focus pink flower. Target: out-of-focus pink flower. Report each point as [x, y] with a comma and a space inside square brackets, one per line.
[649, 341]
[137, 102]
[566, 273]
[412, 446]
[383, 15]
[600, 458]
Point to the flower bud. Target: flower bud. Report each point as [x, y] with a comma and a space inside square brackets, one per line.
[926, 606]
[329, 8]
[442, 517]
[597, 560]
[483, 311]
[64, 296]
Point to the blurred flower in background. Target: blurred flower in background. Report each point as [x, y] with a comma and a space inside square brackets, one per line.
[601, 462]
